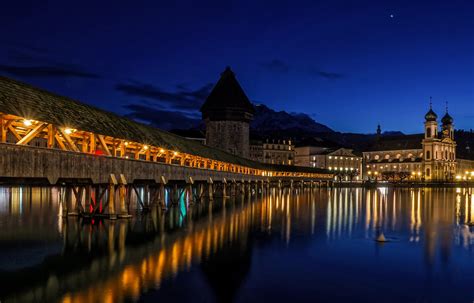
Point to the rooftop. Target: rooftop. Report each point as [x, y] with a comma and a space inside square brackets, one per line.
[397, 142]
[227, 95]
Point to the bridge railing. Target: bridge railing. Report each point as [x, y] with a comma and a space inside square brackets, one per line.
[23, 131]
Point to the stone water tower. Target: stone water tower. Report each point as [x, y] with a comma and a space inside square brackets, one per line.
[227, 113]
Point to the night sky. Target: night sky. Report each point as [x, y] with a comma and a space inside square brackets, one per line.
[347, 64]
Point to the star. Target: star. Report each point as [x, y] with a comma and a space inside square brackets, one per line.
[391, 16]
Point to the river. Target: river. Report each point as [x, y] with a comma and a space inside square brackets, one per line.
[311, 245]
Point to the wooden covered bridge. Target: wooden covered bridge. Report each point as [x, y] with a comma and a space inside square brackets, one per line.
[51, 139]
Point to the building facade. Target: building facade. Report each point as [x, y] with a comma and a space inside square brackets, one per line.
[430, 156]
[227, 113]
[256, 151]
[339, 160]
[279, 152]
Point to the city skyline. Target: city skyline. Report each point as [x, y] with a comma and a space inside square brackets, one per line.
[346, 66]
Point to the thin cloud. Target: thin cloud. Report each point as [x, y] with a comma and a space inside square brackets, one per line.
[164, 119]
[320, 73]
[182, 99]
[47, 71]
[28, 61]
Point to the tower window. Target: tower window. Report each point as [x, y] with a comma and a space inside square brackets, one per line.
[428, 132]
[428, 155]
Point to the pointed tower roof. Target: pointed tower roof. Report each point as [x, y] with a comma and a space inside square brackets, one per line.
[228, 100]
[431, 115]
[447, 119]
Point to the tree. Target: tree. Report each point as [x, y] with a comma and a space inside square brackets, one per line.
[352, 174]
[340, 175]
[403, 175]
[387, 175]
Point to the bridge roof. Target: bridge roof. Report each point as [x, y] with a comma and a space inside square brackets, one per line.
[24, 100]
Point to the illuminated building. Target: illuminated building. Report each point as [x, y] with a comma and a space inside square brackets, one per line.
[430, 156]
[335, 159]
[275, 152]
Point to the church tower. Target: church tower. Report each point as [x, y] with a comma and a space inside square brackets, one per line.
[447, 127]
[227, 113]
[379, 132]
[431, 123]
[429, 142]
[448, 146]
[439, 151]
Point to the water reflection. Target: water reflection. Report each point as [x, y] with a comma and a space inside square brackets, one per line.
[72, 260]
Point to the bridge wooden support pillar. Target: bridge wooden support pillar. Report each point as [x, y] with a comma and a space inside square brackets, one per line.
[234, 187]
[162, 194]
[111, 197]
[224, 189]
[242, 187]
[189, 189]
[200, 191]
[175, 195]
[88, 197]
[122, 198]
[73, 194]
[210, 189]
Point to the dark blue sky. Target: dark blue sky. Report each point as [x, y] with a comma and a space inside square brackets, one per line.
[348, 64]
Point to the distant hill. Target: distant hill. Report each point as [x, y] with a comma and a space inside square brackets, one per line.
[268, 123]
[303, 130]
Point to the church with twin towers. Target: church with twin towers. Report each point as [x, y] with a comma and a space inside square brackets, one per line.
[431, 156]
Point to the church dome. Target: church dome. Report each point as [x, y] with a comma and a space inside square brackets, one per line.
[447, 119]
[431, 115]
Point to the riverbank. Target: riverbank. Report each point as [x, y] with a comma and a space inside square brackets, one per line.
[404, 184]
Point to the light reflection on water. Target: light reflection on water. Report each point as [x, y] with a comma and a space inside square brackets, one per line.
[246, 237]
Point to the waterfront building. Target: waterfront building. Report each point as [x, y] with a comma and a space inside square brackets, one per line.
[279, 152]
[273, 152]
[256, 150]
[431, 156]
[337, 159]
[227, 113]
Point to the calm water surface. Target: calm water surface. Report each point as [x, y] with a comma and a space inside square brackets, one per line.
[300, 246]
